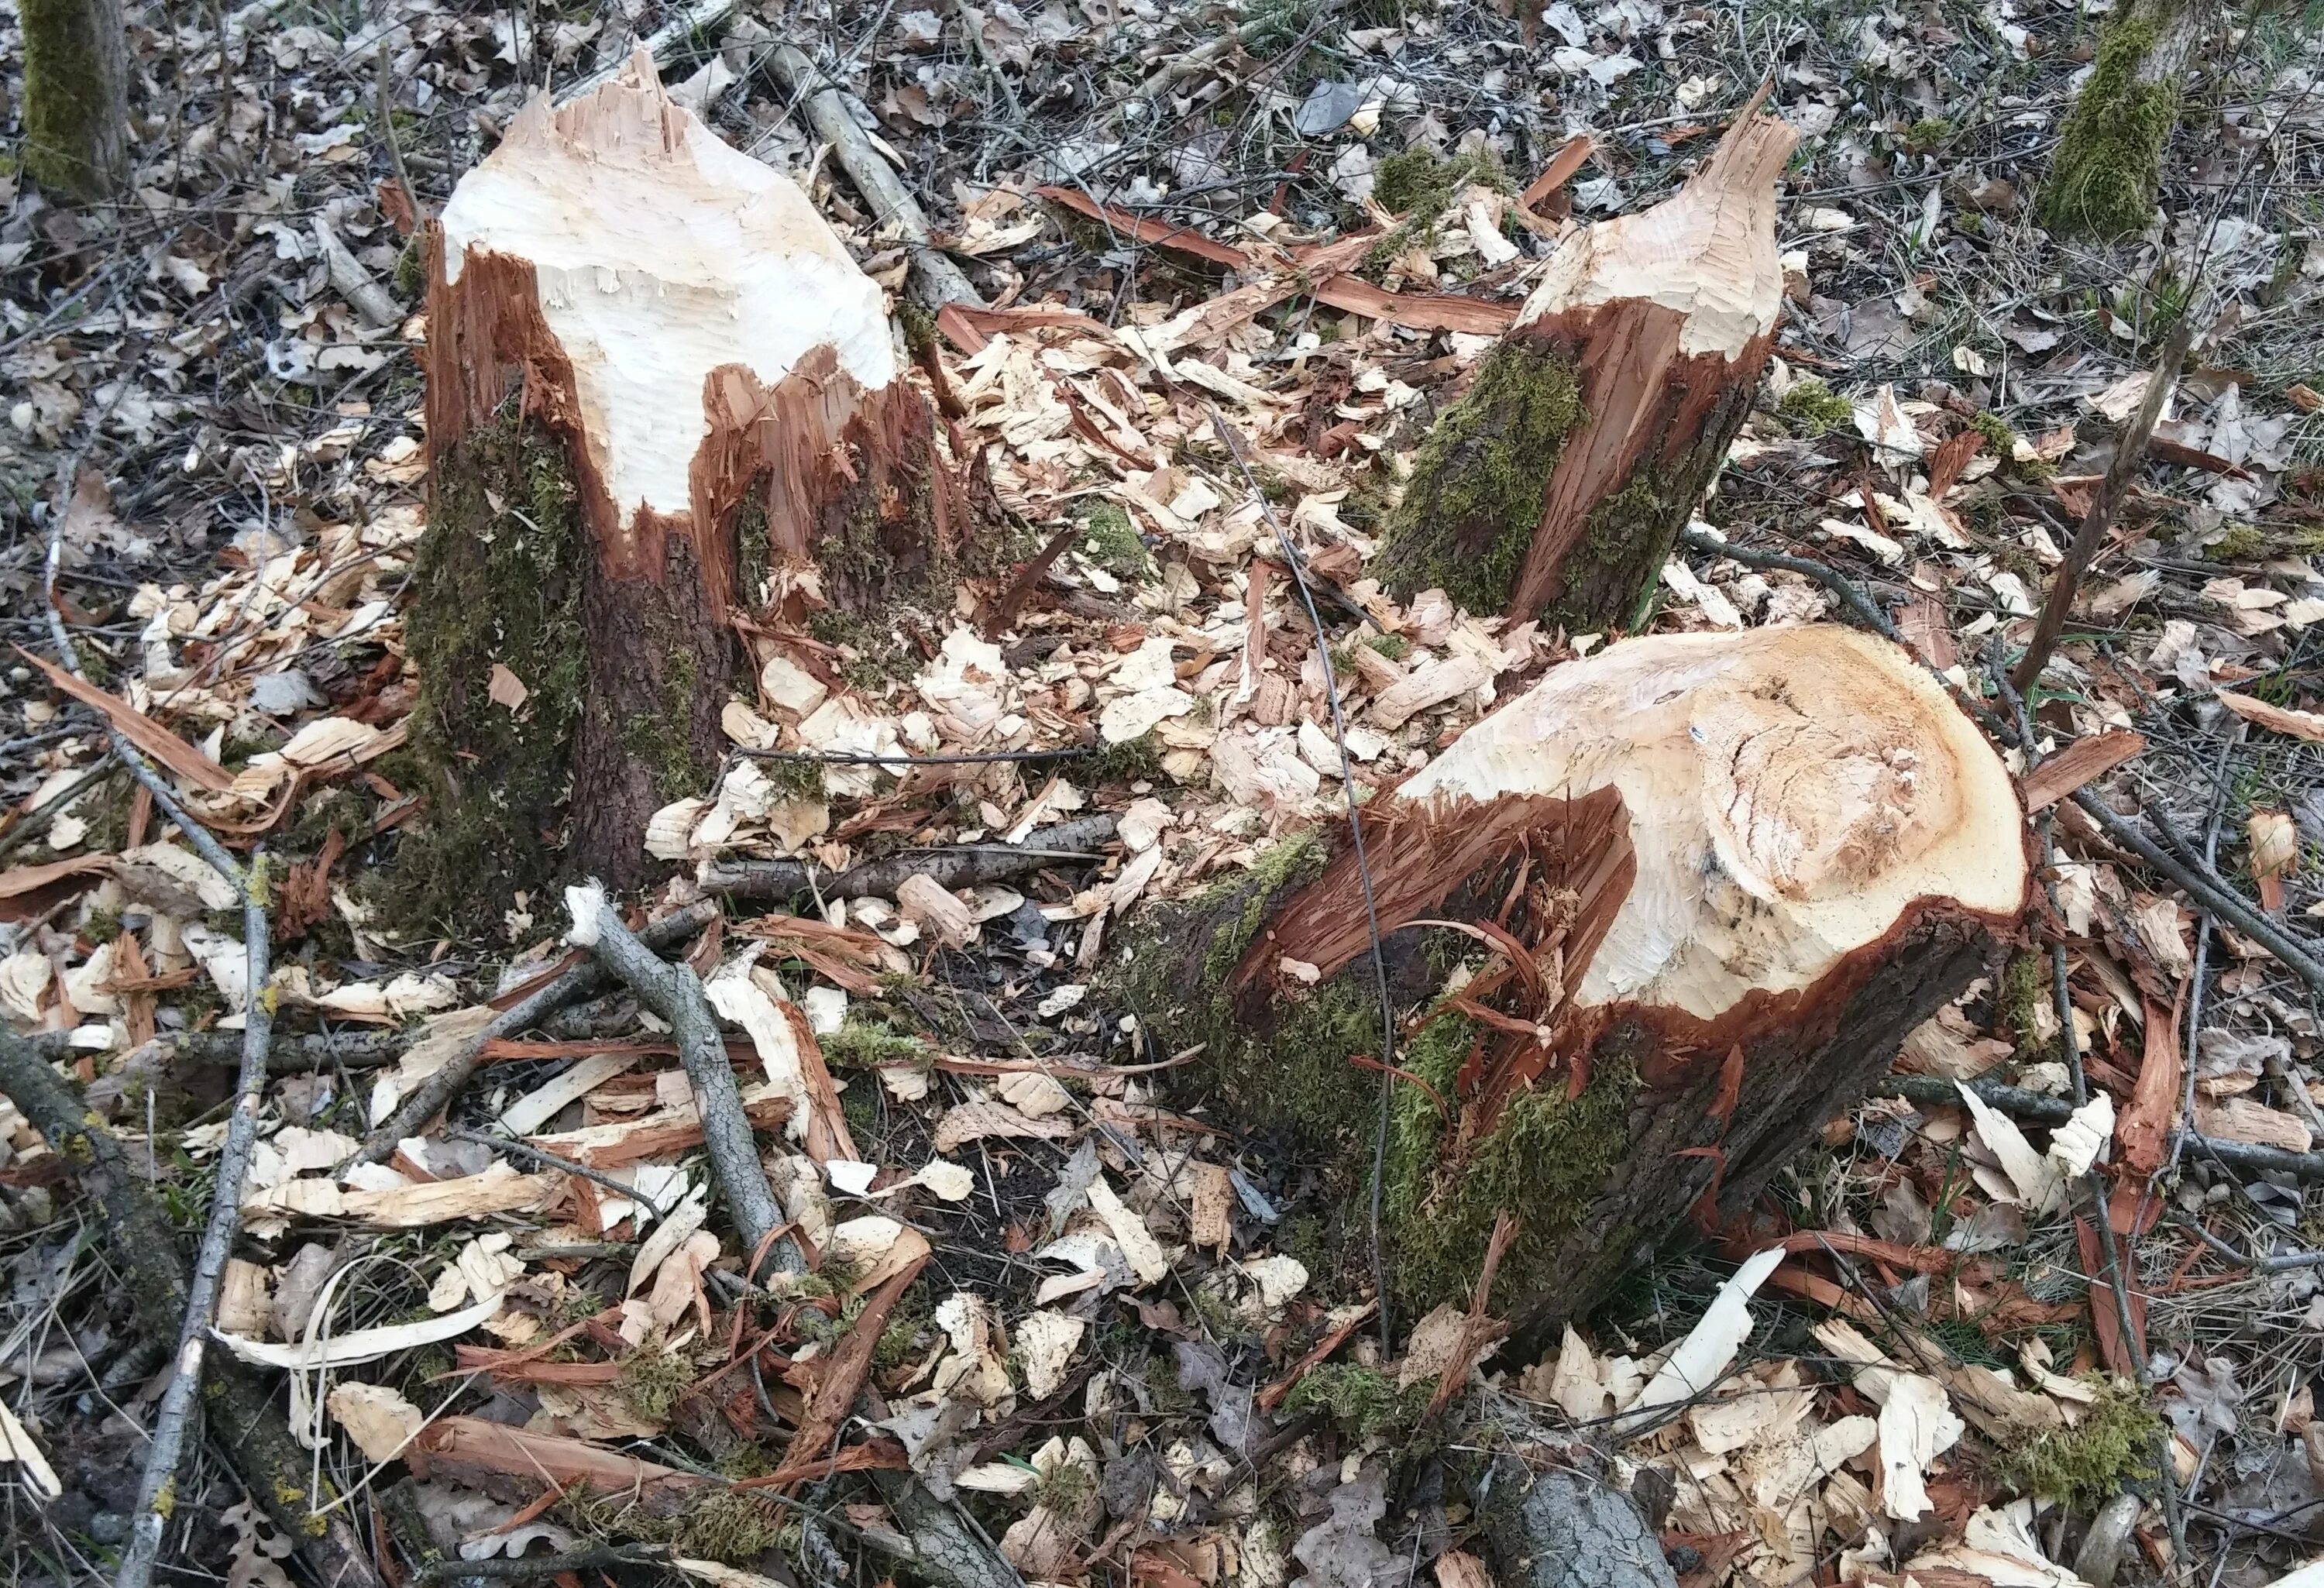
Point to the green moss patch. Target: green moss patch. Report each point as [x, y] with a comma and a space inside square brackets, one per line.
[1111, 540]
[497, 578]
[1475, 498]
[1545, 1162]
[1362, 1402]
[2088, 1464]
[2103, 177]
[1420, 183]
[1813, 408]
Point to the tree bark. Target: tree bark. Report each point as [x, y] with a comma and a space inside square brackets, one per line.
[1648, 927]
[77, 95]
[667, 431]
[1556, 486]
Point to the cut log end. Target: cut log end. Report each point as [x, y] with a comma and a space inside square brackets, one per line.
[1698, 889]
[1558, 485]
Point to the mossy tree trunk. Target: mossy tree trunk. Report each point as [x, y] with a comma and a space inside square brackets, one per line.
[1647, 929]
[1556, 486]
[77, 95]
[665, 417]
[2108, 167]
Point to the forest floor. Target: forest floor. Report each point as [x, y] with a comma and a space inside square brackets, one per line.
[1112, 1360]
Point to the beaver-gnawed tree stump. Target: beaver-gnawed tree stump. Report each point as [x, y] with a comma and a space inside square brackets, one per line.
[1556, 486]
[1648, 927]
[667, 427]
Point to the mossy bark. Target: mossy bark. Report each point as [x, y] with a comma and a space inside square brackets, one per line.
[75, 95]
[1484, 508]
[623, 680]
[1474, 498]
[2107, 169]
[1661, 1126]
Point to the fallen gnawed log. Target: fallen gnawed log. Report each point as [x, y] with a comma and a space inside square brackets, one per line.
[1647, 928]
[669, 433]
[1556, 486]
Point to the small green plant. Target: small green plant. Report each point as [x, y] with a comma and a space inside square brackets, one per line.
[1927, 132]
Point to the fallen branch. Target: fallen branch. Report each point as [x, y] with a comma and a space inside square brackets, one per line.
[675, 992]
[963, 866]
[249, 1429]
[942, 1548]
[2129, 452]
[936, 280]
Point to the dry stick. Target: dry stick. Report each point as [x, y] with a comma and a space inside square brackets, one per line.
[964, 866]
[943, 1550]
[156, 1485]
[675, 992]
[2204, 885]
[432, 1095]
[2092, 1185]
[2129, 452]
[935, 279]
[2036, 1108]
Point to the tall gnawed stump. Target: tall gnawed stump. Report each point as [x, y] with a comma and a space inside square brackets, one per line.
[1649, 926]
[662, 398]
[1557, 485]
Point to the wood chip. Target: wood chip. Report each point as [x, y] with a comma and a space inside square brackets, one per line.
[2276, 719]
[2077, 764]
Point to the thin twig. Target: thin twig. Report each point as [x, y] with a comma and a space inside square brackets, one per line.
[173, 1419]
[2129, 452]
[516, 1148]
[1298, 565]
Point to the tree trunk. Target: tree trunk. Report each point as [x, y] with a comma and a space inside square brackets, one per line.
[665, 416]
[1556, 486]
[77, 95]
[2109, 161]
[1649, 926]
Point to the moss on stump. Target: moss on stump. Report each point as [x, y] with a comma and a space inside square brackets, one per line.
[2104, 179]
[497, 580]
[1475, 497]
[1291, 1067]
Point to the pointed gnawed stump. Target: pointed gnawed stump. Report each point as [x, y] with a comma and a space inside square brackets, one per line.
[1557, 485]
[661, 397]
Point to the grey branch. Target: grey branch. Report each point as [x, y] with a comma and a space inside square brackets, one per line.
[967, 865]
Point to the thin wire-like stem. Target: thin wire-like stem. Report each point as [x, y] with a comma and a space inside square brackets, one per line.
[1298, 565]
[173, 1422]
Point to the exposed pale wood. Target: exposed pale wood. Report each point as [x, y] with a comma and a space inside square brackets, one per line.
[1709, 882]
